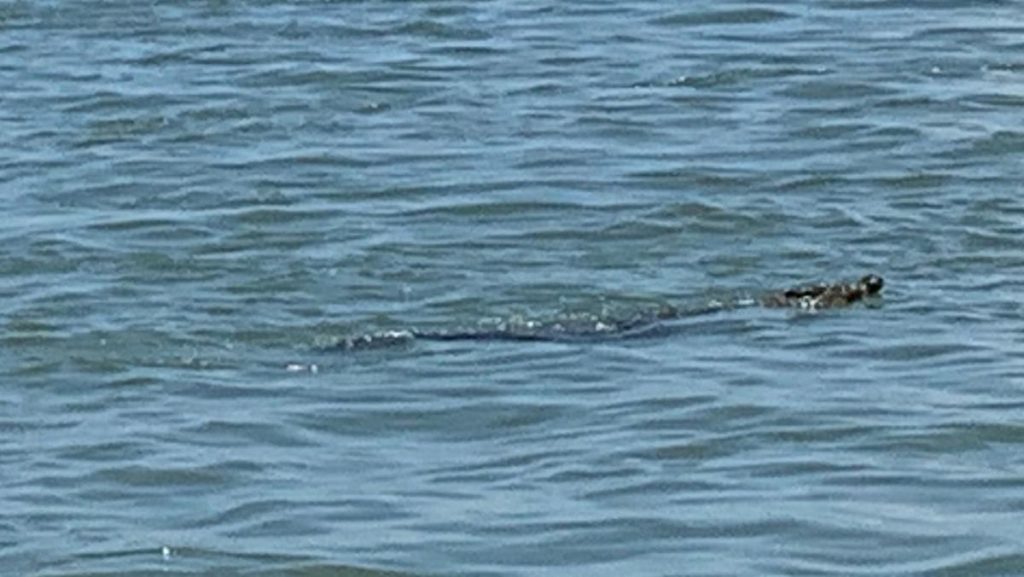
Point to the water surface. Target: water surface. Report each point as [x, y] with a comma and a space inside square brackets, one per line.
[200, 199]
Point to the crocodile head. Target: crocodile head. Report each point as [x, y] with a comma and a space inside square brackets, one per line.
[871, 284]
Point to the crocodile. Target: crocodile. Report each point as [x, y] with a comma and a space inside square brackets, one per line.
[809, 298]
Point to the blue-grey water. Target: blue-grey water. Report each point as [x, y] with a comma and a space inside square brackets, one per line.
[201, 199]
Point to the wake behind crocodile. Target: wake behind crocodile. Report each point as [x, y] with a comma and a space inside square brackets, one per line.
[642, 324]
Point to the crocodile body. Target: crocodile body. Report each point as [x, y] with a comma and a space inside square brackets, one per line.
[810, 297]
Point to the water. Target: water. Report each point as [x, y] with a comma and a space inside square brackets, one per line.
[200, 199]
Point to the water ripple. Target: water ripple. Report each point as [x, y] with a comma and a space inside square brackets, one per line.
[202, 200]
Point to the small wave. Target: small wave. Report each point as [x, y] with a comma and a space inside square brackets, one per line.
[721, 17]
[376, 340]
